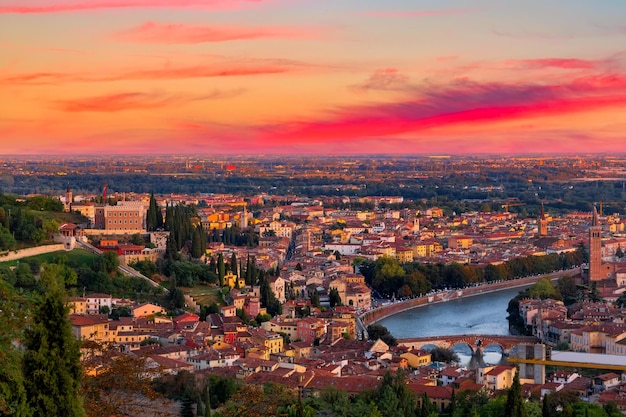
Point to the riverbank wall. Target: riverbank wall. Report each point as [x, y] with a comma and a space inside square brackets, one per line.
[388, 310]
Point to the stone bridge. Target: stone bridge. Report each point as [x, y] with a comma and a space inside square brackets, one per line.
[476, 342]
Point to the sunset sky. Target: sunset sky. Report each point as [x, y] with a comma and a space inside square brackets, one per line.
[312, 76]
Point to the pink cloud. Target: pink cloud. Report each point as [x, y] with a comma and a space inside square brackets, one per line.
[465, 103]
[135, 101]
[564, 63]
[85, 5]
[151, 32]
[417, 13]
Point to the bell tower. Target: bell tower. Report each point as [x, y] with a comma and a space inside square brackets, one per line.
[595, 249]
[543, 223]
[69, 199]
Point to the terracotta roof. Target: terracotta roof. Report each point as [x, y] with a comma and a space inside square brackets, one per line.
[83, 320]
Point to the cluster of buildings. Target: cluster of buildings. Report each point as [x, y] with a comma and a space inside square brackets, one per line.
[311, 353]
[314, 248]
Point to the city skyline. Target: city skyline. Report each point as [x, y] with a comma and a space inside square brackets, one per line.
[311, 77]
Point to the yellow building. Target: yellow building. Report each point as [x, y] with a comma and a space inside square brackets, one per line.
[273, 342]
[496, 378]
[147, 309]
[460, 242]
[91, 327]
[404, 254]
[233, 281]
[417, 358]
[420, 250]
[77, 305]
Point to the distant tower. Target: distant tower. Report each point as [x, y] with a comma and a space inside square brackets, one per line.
[244, 218]
[416, 225]
[543, 223]
[308, 240]
[69, 199]
[595, 249]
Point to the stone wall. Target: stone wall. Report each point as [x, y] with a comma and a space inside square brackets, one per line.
[24, 253]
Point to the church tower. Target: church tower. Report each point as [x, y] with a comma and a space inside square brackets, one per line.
[68, 198]
[596, 272]
[543, 223]
[244, 219]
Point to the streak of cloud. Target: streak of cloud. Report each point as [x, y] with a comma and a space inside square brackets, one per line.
[112, 103]
[86, 5]
[159, 33]
[416, 13]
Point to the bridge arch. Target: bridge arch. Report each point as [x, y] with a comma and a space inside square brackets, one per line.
[506, 343]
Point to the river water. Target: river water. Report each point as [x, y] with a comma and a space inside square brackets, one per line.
[481, 314]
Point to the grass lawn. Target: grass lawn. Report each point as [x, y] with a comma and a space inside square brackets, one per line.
[76, 257]
[205, 294]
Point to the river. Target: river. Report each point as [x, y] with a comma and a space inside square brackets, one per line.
[480, 314]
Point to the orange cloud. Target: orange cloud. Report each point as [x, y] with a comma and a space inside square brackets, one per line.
[246, 68]
[152, 32]
[85, 5]
[135, 101]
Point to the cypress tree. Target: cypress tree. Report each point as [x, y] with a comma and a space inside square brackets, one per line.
[233, 264]
[221, 269]
[52, 370]
[546, 411]
[515, 400]
[151, 218]
[159, 215]
[248, 272]
[196, 244]
[207, 400]
[186, 408]
[168, 217]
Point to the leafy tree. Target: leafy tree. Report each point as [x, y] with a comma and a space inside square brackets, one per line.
[378, 331]
[24, 276]
[8, 275]
[177, 298]
[566, 286]
[335, 299]
[52, 370]
[50, 227]
[440, 354]
[12, 391]
[123, 387]
[251, 401]
[315, 299]
[7, 240]
[542, 289]
[136, 239]
[108, 262]
[146, 267]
